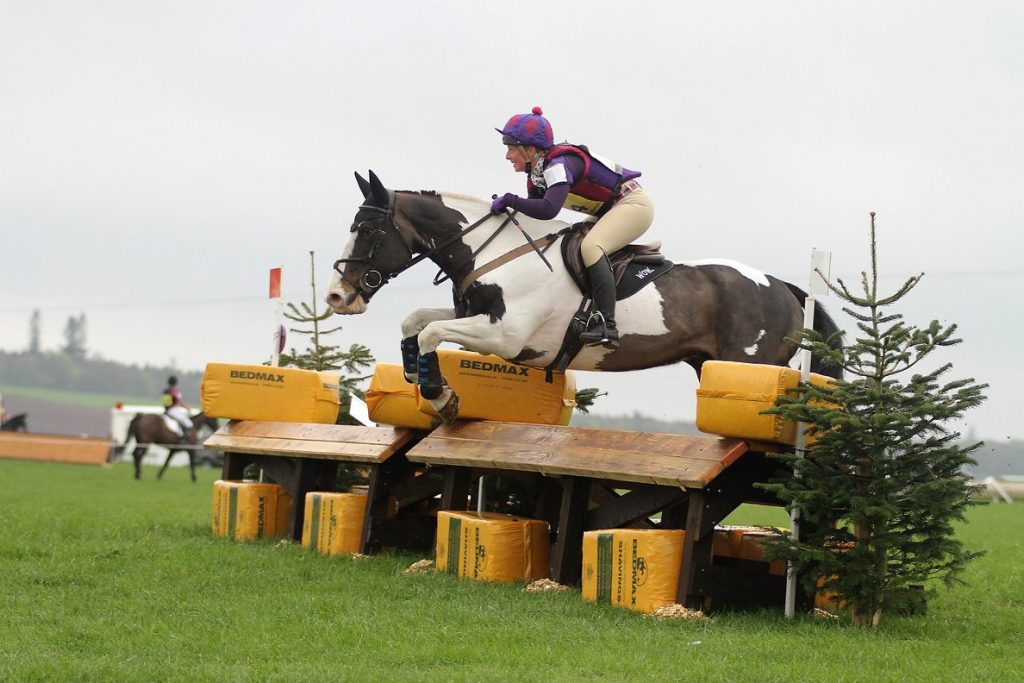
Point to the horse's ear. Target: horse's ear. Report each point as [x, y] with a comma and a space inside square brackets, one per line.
[364, 185]
[380, 194]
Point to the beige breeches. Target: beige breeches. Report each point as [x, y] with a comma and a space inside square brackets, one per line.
[625, 222]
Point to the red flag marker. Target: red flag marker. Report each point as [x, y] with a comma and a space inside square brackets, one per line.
[275, 283]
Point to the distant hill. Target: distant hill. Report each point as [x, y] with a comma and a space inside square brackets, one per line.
[61, 372]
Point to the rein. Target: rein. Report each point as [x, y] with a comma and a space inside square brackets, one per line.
[367, 286]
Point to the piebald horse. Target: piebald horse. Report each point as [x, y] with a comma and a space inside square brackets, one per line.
[519, 310]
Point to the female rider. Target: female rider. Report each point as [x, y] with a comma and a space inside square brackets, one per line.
[573, 177]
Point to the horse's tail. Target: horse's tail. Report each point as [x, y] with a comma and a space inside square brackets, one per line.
[132, 432]
[829, 331]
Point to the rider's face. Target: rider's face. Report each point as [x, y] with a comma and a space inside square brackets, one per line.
[517, 154]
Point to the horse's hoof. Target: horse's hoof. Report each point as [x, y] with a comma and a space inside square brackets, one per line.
[450, 410]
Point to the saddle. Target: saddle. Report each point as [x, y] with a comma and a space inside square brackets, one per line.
[635, 266]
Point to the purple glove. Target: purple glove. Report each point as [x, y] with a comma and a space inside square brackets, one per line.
[500, 203]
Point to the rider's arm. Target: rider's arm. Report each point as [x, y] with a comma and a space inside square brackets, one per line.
[543, 208]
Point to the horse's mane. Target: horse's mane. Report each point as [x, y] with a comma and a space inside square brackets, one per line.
[540, 227]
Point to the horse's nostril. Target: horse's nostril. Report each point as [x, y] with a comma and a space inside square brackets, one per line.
[333, 298]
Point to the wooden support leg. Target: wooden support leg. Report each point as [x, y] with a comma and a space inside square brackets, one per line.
[456, 488]
[386, 522]
[567, 551]
[234, 466]
[696, 553]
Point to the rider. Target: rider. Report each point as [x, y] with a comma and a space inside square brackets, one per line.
[571, 176]
[174, 404]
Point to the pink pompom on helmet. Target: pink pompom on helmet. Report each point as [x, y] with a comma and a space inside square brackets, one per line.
[528, 129]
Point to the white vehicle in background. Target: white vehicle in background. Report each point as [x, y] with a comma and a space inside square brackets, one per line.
[121, 416]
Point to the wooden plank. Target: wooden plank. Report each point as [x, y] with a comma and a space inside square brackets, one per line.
[55, 448]
[311, 431]
[353, 444]
[620, 441]
[664, 459]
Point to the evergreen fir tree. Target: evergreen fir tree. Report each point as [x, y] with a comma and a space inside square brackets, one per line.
[883, 482]
[322, 356]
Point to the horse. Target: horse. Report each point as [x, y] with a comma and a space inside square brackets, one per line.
[516, 304]
[17, 423]
[150, 428]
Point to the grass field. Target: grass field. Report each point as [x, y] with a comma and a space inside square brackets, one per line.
[107, 578]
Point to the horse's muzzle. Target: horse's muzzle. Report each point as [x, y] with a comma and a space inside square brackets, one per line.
[345, 302]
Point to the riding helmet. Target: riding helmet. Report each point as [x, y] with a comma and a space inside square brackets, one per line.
[528, 129]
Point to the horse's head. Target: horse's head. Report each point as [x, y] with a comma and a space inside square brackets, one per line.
[376, 249]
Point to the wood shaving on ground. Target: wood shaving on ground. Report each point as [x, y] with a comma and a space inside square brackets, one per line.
[284, 541]
[824, 614]
[360, 556]
[677, 611]
[542, 585]
[420, 567]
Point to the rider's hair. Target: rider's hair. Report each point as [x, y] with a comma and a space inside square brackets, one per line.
[172, 380]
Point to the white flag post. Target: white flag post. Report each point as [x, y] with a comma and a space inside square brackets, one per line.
[275, 295]
[820, 265]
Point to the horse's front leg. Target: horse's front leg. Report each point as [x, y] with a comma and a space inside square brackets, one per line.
[477, 333]
[411, 328]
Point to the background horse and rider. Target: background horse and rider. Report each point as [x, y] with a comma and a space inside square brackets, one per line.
[513, 302]
[15, 423]
[147, 429]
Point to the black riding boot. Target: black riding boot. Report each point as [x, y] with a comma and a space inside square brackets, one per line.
[601, 329]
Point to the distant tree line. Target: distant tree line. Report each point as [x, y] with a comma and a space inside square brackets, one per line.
[61, 370]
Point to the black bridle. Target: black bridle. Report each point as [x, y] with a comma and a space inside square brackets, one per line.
[373, 280]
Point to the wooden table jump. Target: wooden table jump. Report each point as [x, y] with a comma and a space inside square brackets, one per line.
[603, 479]
[55, 448]
[303, 457]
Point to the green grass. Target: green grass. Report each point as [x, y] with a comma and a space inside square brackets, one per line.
[78, 398]
[107, 578]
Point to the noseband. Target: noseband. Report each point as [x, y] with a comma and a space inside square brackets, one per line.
[373, 280]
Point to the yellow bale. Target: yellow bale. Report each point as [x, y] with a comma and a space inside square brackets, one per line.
[744, 543]
[732, 396]
[633, 568]
[333, 522]
[247, 510]
[491, 388]
[262, 392]
[393, 401]
[489, 546]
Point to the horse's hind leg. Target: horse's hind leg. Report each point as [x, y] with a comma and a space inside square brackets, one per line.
[137, 457]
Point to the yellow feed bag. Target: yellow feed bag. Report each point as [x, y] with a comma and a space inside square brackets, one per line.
[333, 522]
[393, 401]
[744, 543]
[732, 396]
[490, 546]
[491, 388]
[633, 568]
[247, 510]
[263, 392]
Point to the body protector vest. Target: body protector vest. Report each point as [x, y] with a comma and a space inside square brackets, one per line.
[594, 192]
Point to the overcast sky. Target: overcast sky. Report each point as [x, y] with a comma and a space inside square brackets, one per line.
[157, 158]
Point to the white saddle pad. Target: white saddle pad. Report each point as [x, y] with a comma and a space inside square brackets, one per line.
[173, 425]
